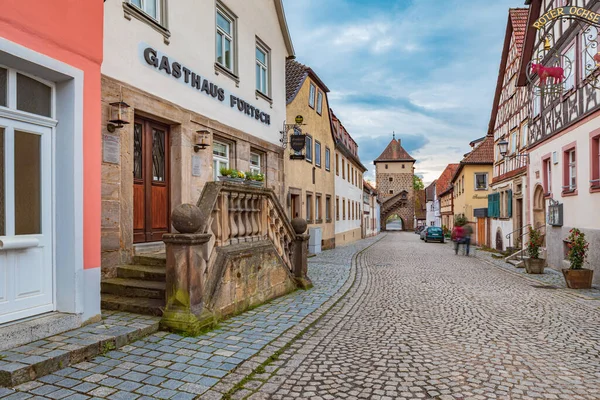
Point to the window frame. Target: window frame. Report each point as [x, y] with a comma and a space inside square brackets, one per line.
[311, 95]
[318, 153]
[141, 8]
[327, 208]
[595, 161]
[232, 19]
[319, 102]
[327, 159]
[487, 183]
[220, 159]
[570, 157]
[547, 174]
[318, 213]
[255, 169]
[343, 209]
[308, 152]
[260, 46]
[337, 208]
[309, 209]
[571, 47]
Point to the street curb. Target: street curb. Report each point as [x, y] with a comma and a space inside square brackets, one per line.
[253, 366]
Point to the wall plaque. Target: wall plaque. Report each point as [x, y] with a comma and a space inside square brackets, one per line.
[196, 166]
[111, 149]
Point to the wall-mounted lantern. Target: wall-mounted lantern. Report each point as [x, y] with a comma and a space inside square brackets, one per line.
[503, 147]
[118, 115]
[202, 140]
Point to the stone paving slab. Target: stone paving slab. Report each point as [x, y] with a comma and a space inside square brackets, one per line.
[169, 366]
[37, 359]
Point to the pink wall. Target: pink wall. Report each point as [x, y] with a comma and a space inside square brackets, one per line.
[70, 31]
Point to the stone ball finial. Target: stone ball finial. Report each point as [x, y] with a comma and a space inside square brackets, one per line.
[299, 225]
[186, 218]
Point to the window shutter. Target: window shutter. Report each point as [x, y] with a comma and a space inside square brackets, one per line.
[510, 203]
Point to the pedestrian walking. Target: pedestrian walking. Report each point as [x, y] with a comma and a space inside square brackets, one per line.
[458, 237]
[467, 231]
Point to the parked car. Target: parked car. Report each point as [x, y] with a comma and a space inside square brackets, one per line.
[434, 233]
[424, 232]
[419, 229]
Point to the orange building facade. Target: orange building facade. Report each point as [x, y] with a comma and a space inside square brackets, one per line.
[50, 150]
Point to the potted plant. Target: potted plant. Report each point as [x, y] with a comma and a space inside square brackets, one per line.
[231, 175]
[255, 179]
[576, 276]
[534, 264]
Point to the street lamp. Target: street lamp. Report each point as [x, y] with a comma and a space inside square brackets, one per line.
[503, 147]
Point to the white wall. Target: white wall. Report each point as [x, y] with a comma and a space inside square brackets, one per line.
[192, 44]
[430, 213]
[348, 191]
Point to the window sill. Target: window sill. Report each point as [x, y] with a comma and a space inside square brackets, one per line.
[309, 160]
[548, 195]
[318, 165]
[219, 69]
[261, 95]
[309, 221]
[327, 169]
[319, 221]
[569, 193]
[328, 220]
[595, 189]
[132, 11]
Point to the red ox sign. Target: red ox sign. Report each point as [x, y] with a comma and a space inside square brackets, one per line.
[568, 12]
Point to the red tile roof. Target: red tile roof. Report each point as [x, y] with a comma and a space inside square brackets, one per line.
[295, 74]
[518, 18]
[481, 154]
[394, 152]
[444, 182]
[430, 191]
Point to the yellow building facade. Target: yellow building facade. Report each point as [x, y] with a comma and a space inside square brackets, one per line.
[471, 186]
[309, 183]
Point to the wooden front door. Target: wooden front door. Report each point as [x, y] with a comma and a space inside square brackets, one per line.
[481, 239]
[150, 181]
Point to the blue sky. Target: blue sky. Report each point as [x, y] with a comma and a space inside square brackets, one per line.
[425, 69]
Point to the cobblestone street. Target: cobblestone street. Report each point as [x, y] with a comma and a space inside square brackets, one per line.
[421, 322]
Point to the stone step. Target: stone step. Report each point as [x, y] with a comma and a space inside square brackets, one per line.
[137, 305]
[158, 259]
[134, 288]
[142, 272]
[37, 359]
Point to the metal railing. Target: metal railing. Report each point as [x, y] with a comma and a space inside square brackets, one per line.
[509, 236]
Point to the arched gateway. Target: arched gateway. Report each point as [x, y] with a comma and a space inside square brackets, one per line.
[394, 170]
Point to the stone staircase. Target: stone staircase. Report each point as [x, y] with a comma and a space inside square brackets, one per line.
[138, 288]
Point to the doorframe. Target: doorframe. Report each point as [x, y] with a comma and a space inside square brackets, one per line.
[76, 289]
[147, 164]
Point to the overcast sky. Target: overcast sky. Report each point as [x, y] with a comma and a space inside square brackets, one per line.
[425, 69]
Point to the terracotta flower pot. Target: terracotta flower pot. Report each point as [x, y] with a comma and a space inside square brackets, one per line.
[578, 278]
[535, 265]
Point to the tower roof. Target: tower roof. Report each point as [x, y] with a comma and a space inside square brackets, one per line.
[394, 153]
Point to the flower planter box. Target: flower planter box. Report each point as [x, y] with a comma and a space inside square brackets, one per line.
[255, 183]
[578, 278]
[535, 265]
[238, 181]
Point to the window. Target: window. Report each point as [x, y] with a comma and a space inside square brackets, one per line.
[309, 207]
[570, 69]
[308, 148]
[320, 102]
[391, 192]
[317, 153]
[481, 181]
[514, 142]
[524, 135]
[262, 69]
[547, 178]
[328, 208]
[33, 96]
[255, 163]
[337, 165]
[149, 7]
[225, 40]
[386, 166]
[318, 208]
[343, 169]
[344, 209]
[327, 159]
[337, 208]
[570, 173]
[403, 166]
[311, 96]
[536, 102]
[595, 162]
[391, 179]
[220, 158]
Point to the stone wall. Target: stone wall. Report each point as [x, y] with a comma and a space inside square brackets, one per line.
[246, 275]
[398, 183]
[555, 249]
[117, 178]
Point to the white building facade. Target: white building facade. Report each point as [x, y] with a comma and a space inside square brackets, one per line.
[433, 206]
[192, 73]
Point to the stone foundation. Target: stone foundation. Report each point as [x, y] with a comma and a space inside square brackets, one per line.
[348, 237]
[555, 249]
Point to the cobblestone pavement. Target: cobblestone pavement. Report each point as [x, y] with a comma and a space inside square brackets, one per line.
[421, 322]
[169, 366]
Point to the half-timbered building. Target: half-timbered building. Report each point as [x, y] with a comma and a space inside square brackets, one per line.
[564, 127]
[508, 123]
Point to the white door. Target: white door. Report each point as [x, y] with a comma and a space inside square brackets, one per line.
[26, 257]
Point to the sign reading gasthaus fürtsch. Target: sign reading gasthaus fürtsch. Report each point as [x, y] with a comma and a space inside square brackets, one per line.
[111, 149]
[162, 63]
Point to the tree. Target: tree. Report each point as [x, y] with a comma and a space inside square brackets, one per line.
[418, 183]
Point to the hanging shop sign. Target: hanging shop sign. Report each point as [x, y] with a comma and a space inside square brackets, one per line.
[555, 213]
[162, 63]
[580, 13]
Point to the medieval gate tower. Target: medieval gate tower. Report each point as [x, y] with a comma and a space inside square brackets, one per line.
[394, 170]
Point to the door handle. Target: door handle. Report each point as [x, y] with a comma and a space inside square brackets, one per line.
[16, 243]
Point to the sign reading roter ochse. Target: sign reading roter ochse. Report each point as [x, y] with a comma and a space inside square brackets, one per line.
[180, 72]
[580, 13]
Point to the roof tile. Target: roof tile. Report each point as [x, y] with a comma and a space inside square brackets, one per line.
[394, 152]
[444, 182]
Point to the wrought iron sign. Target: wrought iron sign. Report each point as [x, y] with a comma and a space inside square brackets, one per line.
[297, 140]
[555, 213]
[549, 71]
